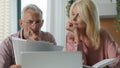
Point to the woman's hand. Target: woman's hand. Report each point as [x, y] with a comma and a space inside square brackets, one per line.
[76, 35]
[69, 26]
[72, 26]
[15, 66]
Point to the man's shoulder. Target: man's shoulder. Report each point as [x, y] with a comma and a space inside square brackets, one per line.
[17, 34]
[47, 36]
[9, 38]
[46, 33]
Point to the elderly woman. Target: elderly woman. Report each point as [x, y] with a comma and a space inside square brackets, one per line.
[84, 34]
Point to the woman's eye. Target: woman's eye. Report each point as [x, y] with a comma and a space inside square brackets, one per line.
[73, 14]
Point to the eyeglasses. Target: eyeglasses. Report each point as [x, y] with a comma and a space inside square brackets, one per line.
[30, 22]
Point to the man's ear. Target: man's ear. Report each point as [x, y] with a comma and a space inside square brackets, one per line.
[42, 22]
[21, 23]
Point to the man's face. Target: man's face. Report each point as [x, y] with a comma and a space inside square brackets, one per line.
[31, 20]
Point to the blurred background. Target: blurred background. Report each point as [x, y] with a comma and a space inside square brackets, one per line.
[55, 18]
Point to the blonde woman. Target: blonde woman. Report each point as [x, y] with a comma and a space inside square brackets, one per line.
[84, 34]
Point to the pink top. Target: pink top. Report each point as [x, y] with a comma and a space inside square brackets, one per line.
[108, 48]
[6, 48]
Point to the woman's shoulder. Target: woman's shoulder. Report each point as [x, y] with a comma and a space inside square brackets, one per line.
[105, 34]
[104, 31]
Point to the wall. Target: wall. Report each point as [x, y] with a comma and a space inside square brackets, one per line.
[107, 8]
[56, 19]
[108, 23]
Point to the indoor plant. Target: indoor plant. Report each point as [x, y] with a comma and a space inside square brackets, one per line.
[69, 3]
[117, 21]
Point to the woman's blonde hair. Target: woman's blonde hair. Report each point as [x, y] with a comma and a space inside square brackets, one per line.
[89, 14]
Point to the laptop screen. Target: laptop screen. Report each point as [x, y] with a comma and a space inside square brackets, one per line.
[51, 59]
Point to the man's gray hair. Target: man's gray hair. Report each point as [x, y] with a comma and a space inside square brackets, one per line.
[33, 7]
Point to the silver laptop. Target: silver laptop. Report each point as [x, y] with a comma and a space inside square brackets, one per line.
[51, 59]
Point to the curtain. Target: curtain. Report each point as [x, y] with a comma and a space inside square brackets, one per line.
[56, 20]
[7, 18]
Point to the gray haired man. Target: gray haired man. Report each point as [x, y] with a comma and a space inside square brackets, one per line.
[31, 23]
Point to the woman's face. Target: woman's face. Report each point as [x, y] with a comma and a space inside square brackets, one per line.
[76, 19]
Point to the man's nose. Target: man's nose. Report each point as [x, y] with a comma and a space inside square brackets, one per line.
[33, 25]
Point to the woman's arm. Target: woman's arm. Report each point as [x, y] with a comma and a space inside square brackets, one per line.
[71, 45]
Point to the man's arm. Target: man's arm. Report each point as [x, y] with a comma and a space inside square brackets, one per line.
[6, 57]
[15, 66]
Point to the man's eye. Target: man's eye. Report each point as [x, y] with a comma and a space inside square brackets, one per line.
[29, 22]
[37, 21]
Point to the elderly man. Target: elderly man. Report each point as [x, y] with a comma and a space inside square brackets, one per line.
[31, 24]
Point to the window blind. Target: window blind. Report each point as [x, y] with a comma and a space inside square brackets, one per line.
[5, 21]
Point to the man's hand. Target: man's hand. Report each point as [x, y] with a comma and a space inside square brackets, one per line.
[33, 35]
[15, 66]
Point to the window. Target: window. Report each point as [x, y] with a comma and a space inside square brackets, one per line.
[7, 18]
[42, 4]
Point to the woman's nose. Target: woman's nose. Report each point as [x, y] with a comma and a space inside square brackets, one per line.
[75, 17]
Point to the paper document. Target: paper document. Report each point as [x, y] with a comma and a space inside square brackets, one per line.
[102, 63]
[21, 45]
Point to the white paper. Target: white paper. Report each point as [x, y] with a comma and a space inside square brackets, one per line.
[21, 45]
[102, 63]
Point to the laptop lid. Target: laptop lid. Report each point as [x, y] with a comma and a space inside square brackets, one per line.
[51, 59]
